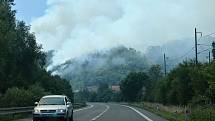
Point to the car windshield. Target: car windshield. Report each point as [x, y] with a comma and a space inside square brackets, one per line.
[52, 101]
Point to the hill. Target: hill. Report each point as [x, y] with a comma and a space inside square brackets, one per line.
[102, 67]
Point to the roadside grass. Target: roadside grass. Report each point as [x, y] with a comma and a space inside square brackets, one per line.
[171, 113]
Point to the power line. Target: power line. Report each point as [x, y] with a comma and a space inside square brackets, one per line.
[208, 35]
[180, 57]
[204, 50]
[204, 44]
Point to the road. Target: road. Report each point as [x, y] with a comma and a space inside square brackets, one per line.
[112, 112]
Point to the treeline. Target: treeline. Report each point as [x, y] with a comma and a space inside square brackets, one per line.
[23, 78]
[103, 94]
[186, 84]
[139, 86]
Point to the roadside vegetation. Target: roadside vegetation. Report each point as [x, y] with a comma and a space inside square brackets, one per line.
[103, 94]
[23, 77]
[188, 85]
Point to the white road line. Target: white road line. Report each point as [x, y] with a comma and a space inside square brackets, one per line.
[141, 114]
[91, 106]
[107, 108]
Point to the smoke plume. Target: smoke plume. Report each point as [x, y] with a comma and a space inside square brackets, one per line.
[76, 27]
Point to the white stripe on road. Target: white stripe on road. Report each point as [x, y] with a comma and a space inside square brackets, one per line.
[107, 108]
[141, 114]
[91, 106]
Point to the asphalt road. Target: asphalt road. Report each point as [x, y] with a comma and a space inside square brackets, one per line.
[112, 112]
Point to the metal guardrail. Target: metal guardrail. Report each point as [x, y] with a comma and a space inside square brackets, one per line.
[17, 110]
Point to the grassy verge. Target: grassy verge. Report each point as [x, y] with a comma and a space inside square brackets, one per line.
[171, 113]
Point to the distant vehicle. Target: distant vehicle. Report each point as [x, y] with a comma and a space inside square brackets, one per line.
[53, 107]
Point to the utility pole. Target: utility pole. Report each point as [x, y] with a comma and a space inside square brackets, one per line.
[164, 57]
[209, 57]
[213, 51]
[196, 45]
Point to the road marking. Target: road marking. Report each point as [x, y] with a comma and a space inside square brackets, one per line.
[91, 106]
[141, 114]
[107, 108]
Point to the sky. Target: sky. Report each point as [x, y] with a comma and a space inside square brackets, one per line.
[77, 27]
[29, 10]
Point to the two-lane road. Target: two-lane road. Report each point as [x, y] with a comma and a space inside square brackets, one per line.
[112, 112]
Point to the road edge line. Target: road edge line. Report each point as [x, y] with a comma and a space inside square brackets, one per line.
[98, 116]
[138, 112]
[91, 106]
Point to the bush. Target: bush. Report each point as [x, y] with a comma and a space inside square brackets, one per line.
[203, 113]
[37, 92]
[15, 97]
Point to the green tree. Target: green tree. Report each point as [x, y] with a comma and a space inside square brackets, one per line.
[22, 62]
[104, 93]
[132, 86]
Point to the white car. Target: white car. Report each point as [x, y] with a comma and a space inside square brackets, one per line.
[53, 107]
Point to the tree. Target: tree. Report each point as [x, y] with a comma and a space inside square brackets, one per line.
[104, 93]
[22, 62]
[132, 87]
[7, 30]
[155, 74]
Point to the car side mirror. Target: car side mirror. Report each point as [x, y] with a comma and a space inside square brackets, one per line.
[36, 103]
[68, 103]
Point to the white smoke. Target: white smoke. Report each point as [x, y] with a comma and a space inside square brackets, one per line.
[75, 27]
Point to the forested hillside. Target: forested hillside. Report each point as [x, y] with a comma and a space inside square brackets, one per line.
[109, 67]
[23, 77]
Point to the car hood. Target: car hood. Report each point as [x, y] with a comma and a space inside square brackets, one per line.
[50, 107]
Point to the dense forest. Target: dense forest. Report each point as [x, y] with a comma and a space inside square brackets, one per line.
[23, 77]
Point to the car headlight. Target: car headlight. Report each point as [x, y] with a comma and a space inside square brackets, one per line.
[36, 111]
[61, 111]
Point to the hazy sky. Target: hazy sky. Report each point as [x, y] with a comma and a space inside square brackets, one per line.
[75, 27]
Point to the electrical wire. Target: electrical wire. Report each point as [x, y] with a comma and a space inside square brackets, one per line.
[204, 50]
[208, 35]
[180, 57]
[204, 44]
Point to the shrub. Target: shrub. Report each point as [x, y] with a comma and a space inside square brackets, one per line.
[203, 113]
[15, 97]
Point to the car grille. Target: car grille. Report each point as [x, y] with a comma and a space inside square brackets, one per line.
[48, 111]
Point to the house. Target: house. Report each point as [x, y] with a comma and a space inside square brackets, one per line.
[115, 88]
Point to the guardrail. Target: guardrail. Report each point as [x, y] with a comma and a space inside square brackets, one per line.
[17, 110]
